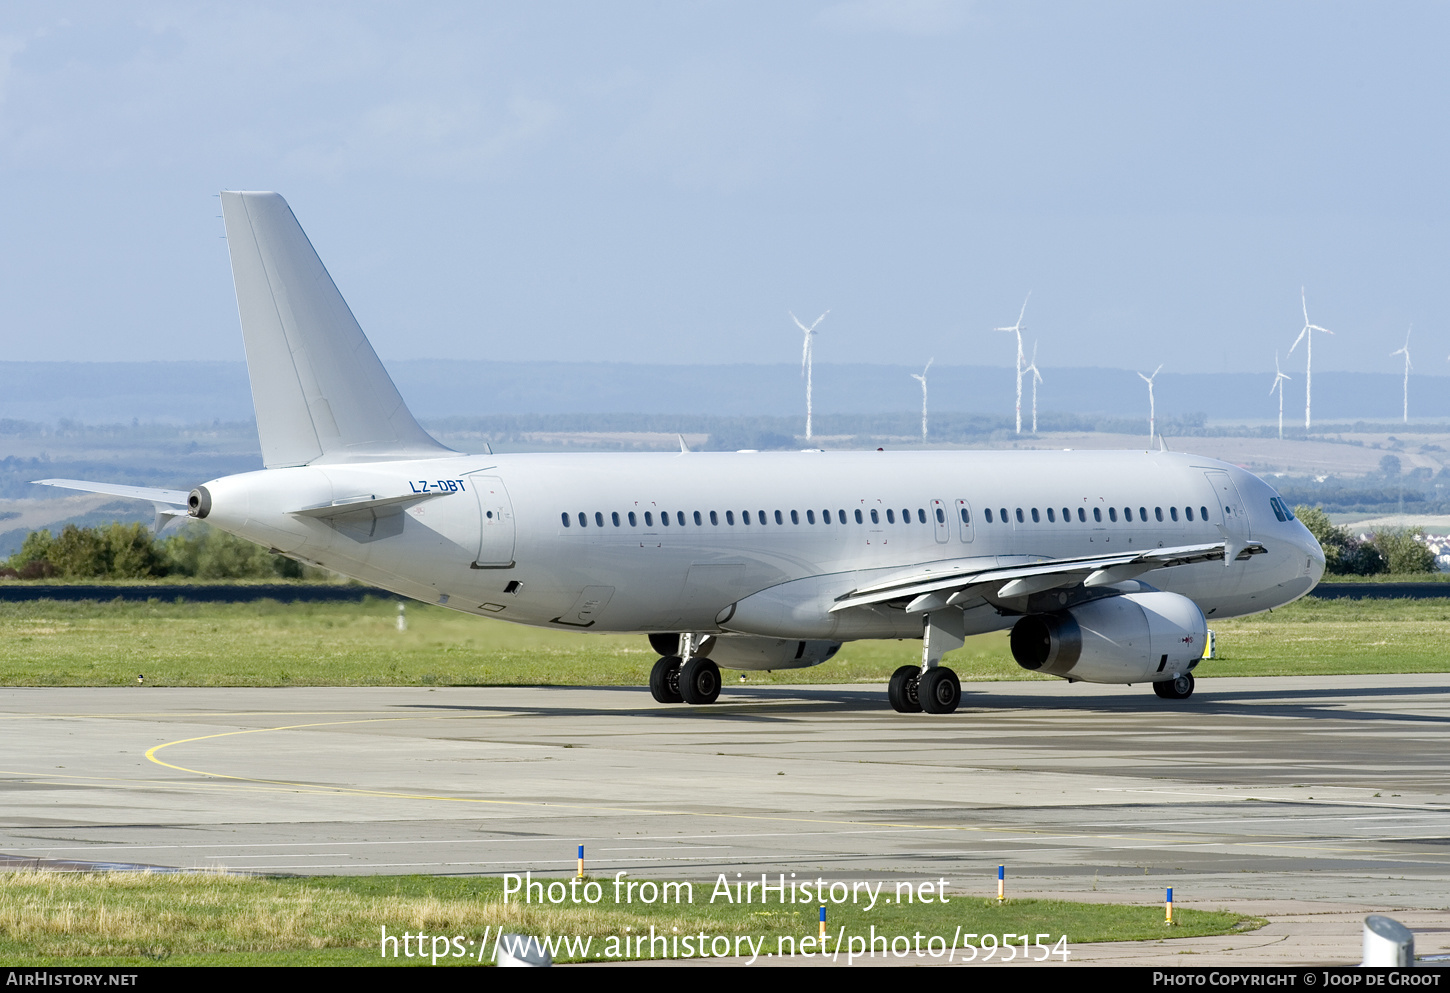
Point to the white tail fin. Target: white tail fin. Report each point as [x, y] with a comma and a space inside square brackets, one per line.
[320, 392]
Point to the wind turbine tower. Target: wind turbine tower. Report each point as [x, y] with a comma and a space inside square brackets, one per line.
[1279, 379]
[922, 379]
[1017, 330]
[1036, 378]
[806, 354]
[1406, 353]
[1152, 427]
[1307, 336]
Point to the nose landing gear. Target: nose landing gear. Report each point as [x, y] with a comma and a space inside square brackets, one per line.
[1179, 687]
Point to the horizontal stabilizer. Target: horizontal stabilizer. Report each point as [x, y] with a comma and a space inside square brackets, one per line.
[169, 504]
[365, 502]
[320, 393]
[175, 498]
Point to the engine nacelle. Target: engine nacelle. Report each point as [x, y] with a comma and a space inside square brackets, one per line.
[1133, 638]
[758, 654]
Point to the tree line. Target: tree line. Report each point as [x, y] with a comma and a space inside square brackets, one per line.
[131, 551]
[1388, 550]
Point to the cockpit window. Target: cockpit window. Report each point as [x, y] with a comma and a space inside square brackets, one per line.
[1281, 509]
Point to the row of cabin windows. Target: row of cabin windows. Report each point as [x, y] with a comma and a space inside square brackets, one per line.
[746, 517]
[875, 515]
[1097, 514]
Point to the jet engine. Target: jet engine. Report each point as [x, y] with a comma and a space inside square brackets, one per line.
[1131, 638]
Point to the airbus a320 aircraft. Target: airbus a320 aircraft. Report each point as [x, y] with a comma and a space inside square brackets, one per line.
[1104, 565]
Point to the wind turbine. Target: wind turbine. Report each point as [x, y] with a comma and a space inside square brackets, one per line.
[1307, 337]
[922, 379]
[1036, 378]
[1017, 330]
[1279, 379]
[1152, 429]
[806, 350]
[1406, 352]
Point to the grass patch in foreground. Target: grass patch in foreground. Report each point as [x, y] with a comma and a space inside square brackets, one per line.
[59, 643]
[217, 919]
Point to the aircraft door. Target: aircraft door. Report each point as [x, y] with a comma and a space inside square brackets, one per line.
[939, 518]
[964, 519]
[496, 516]
[1230, 504]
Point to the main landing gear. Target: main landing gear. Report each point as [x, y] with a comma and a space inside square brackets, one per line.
[686, 678]
[931, 686]
[936, 691]
[1178, 688]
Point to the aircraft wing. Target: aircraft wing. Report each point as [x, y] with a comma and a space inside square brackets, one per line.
[947, 585]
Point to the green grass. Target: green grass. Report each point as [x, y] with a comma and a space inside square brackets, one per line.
[57, 643]
[217, 919]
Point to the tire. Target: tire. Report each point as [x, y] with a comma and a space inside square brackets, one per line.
[902, 690]
[939, 691]
[700, 681]
[1178, 688]
[664, 680]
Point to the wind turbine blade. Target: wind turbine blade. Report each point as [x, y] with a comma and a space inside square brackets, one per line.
[1024, 309]
[1299, 339]
[1305, 302]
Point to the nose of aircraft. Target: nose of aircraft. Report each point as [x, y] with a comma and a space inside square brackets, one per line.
[1313, 553]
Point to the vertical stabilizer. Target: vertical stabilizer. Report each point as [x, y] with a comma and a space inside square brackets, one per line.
[320, 392]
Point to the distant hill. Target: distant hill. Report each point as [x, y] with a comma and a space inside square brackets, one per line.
[200, 392]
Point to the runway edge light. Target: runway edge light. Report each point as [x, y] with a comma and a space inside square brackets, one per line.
[581, 861]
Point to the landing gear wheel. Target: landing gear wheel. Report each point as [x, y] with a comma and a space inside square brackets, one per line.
[699, 681]
[902, 690]
[1177, 688]
[939, 691]
[664, 680]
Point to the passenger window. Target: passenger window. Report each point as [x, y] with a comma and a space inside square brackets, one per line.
[875, 517]
[730, 517]
[632, 522]
[1051, 516]
[1081, 516]
[795, 518]
[966, 516]
[779, 519]
[841, 516]
[1020, 519]
[1188, 511]
[697, 518]
[826, 516]
[905, 516]
[1098, 514]
[1035, 519]
[1173, 513]
[1113, 514]
[565, 518]
[614, 516]
[583, 520]
[1203, 513]
[988, 512]
[920, 515]
[680, 516]
[858, 517]
[665, 518]
[941, 516]
[714, 519]
[1004, 515]
[1066, 515]
[1158, 513]
[745, 517]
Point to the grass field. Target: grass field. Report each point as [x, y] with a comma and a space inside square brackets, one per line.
[214, 919]
[53, 643]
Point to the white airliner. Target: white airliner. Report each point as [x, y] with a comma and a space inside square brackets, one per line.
[1105, 565]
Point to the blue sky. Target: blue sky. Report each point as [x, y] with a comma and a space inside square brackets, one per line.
[661, 181]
